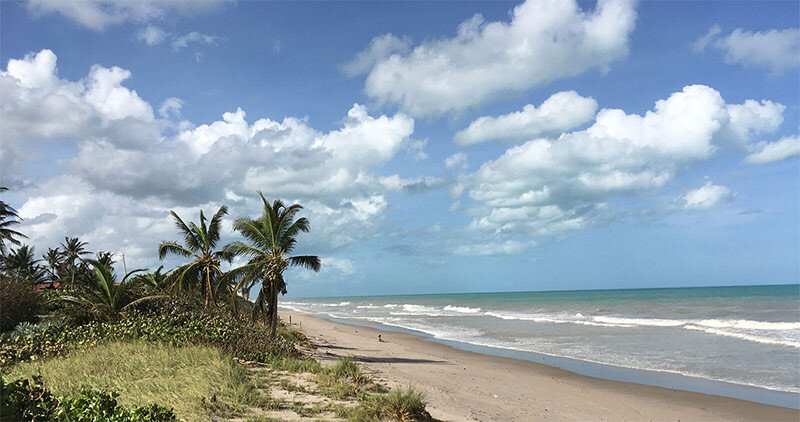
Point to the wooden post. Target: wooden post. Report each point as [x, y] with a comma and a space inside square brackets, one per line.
[290, 320]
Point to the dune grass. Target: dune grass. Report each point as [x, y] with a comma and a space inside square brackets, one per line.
[193, 380]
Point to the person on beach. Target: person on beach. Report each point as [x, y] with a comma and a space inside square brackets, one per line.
[381, 339]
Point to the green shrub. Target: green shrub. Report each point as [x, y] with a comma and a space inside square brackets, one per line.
[174, 322]
[21, 302]
[28, 400]
[404, 405]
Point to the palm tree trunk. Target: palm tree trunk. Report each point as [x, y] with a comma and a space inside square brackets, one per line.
[273, 323]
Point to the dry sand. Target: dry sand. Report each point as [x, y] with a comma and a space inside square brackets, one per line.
[466, 386]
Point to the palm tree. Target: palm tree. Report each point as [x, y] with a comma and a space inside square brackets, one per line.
[55, 263]
[204, 273]
[23, 263]
[8, 218]
[72, 260]
[104, 297]
[272, 238]
[153, 279]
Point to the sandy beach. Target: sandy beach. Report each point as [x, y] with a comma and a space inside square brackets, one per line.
[467, 386]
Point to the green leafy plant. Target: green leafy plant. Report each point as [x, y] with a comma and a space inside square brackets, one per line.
[29, 400]
[105, 298]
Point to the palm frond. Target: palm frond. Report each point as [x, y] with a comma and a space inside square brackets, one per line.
[166, 248]
[192, 242]
[215, 224]
[310, 262]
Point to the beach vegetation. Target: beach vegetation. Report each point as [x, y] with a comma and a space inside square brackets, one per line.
[105, 297]
[271, 239]
[21, 303]
[203, 275]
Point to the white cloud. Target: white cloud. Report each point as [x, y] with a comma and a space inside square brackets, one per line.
[183, 41]
[152, 35]
[562, 111]
[776, 50]
[548, 186]
[38, 105]
[544, 41]
[508, 247]
[129, 169]
[171, 107]
[100, 14]
[341, 264]
[380, 48]
[456, 161]
[775, 151]
[705, 197]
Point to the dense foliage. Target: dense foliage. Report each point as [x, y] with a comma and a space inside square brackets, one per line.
[29, 400]
[173, 321]
[20, 302]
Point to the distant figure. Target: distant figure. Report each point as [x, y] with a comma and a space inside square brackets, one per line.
[381, 340]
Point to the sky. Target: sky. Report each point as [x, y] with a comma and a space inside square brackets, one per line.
[435, 146]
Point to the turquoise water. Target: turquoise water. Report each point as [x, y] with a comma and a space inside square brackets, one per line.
[748, 335]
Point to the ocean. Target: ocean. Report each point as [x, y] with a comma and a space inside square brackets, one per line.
[743, 335]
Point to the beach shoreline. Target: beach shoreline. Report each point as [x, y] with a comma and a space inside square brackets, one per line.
[463, 385]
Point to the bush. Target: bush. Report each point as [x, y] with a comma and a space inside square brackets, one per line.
[405, 405]
[173, 321]
[28, 400]
[21, 302]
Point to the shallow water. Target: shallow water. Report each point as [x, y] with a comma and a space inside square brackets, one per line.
[748, 335]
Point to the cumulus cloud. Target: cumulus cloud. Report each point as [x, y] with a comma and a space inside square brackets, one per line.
[705, 197]
[100, 14]
[543, 41]
[129, 170]
[769, 152]
[776, 50]
[456, 161]
[562, 111]
[41, 106]
[380, 48]
[548, 186]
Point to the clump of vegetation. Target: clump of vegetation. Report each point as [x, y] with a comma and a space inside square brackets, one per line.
[29, 400]
[405, 405]
[21, 302]
[173, 321]
[193, 380]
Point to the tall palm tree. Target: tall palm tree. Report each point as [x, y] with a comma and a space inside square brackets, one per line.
[8, 218]
[23, 263]
[74, 265]
[104, 297]
[272, 238]
[204, 273]
[55, 263]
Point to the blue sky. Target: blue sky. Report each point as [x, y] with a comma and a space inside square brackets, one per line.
[436, 146]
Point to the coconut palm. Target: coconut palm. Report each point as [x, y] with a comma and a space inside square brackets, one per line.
[204, 273]
[25, 265]
[272, 237]
[8, 218]
[104, 297]
[73, 262]
[55, 263]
